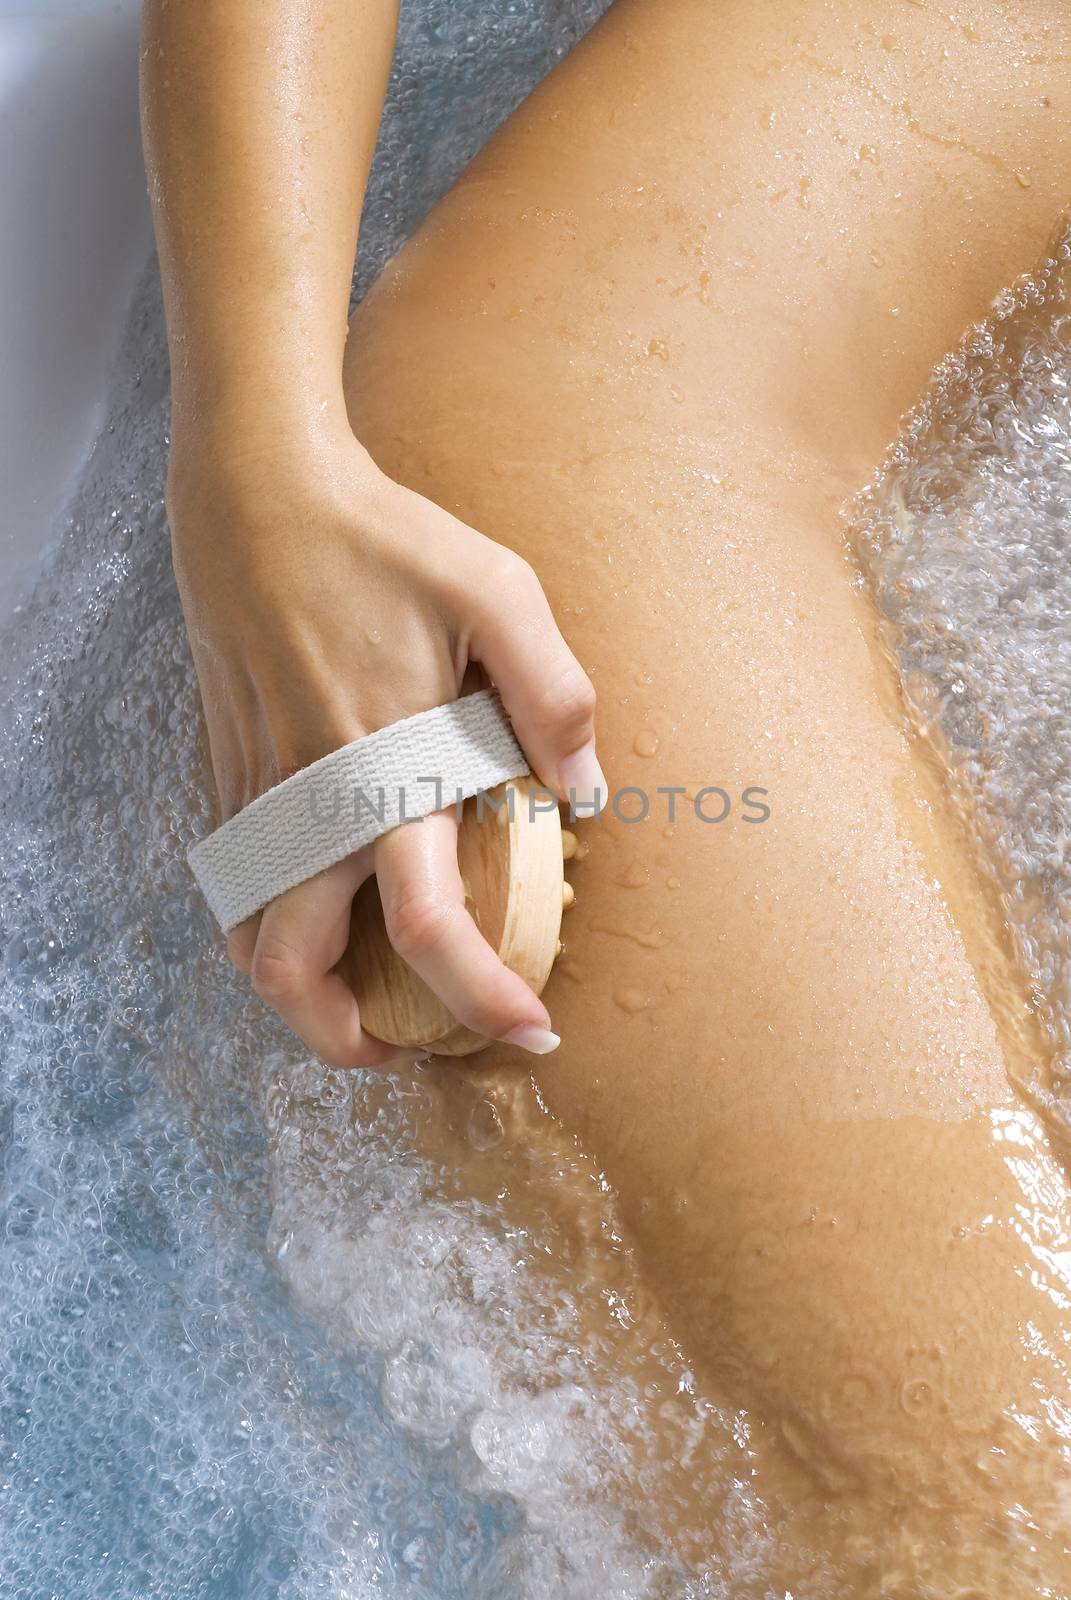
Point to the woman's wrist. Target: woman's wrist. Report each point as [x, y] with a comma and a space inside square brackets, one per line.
[255, 417]
[240, 449]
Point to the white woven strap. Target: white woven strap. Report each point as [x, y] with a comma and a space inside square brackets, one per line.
[352, 796]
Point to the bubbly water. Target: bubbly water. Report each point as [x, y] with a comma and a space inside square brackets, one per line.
[259, 1338]
[965, 537]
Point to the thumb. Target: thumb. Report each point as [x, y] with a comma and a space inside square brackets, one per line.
[545, 690]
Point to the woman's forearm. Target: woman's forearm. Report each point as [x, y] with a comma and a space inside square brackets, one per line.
[259, 125]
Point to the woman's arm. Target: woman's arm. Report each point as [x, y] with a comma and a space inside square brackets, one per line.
[322, 600]
[259, 123]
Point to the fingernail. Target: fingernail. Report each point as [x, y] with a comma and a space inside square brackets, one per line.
[582, 779]
[540, 1041]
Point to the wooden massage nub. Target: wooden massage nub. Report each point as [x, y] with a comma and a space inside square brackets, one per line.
[511, 864]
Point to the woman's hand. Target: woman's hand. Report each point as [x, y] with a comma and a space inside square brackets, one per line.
[324, 601]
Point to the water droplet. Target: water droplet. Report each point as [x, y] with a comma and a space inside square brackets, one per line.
[652, 940]
[631, 1000]
[917, 1397]
[645, 743]
[485, 1129]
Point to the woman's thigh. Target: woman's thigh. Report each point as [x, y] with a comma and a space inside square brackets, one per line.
[655, 335]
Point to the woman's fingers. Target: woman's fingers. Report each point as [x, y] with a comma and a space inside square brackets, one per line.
[424, 910]
[290, 953]
[549, 696]
[290, 949]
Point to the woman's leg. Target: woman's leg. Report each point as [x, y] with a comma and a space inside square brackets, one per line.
[657, 333]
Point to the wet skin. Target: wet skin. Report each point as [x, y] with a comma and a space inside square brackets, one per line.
[659, 331]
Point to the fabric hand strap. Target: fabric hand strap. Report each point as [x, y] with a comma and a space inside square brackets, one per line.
[352, 796]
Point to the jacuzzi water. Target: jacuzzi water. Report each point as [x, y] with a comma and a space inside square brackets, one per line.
[260, 1339]
[964, 538]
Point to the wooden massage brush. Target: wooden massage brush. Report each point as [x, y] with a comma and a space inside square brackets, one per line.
[512, 869]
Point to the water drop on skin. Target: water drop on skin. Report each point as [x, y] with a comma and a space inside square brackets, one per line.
[485, 1129]
[645, 743]
[631, 1000]
[653, 940]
